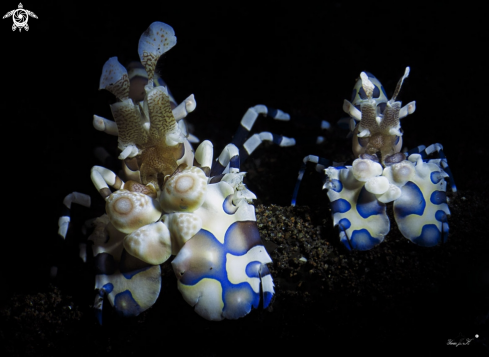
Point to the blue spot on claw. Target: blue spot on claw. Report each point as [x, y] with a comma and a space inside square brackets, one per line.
[253, 269]
[106, 289]
[340, 205]
[441, 216]
[368, 205]
[410, 202]
[435, 177]
[438, 197]
[227, 205]
[363, 240]
[337, 186]
[429, 237]
[344, 224]
[125, 304]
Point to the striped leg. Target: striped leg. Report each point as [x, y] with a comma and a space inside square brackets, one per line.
[203, 156]
[107, 160]
[321, 164]
[64, 220]
[129, 170]
[102, 177]
[228, 161]
[63, 225]
[256, 140]
[252, 114]
[231, 156]
[250, 117]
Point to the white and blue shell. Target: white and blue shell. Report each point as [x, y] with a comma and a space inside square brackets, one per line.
[222, 270]
[418, 190]
[171, 205]
[382, 174]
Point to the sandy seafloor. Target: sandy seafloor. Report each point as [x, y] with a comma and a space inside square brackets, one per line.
[303, 59]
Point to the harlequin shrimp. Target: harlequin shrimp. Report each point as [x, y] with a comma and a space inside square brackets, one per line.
[174, 201]
[382, 174]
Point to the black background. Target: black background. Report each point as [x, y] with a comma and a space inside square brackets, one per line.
[301, 58]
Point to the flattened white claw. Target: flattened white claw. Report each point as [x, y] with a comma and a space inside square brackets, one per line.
[129, 211]
[185, 191]
[364, 169]
[205, 296]
[150, 243]
[400, 173]
[392, 194]
[182, 226]
[377, 185]
[421, 211]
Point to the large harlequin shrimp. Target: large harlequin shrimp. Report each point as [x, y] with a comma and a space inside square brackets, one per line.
[382, 174]
[174, 201]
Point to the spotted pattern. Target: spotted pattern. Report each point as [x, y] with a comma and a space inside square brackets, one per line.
[210, 226]
[411, 201]
[438, 197]
[367, 204]
[361, 219]
[131, 285]
[417, 188]
[232, 270]
[336, 185]
[228, 206]
[340, 206]
[362, 240]
[421, 211]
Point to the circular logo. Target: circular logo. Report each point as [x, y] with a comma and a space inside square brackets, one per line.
[20, 17]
